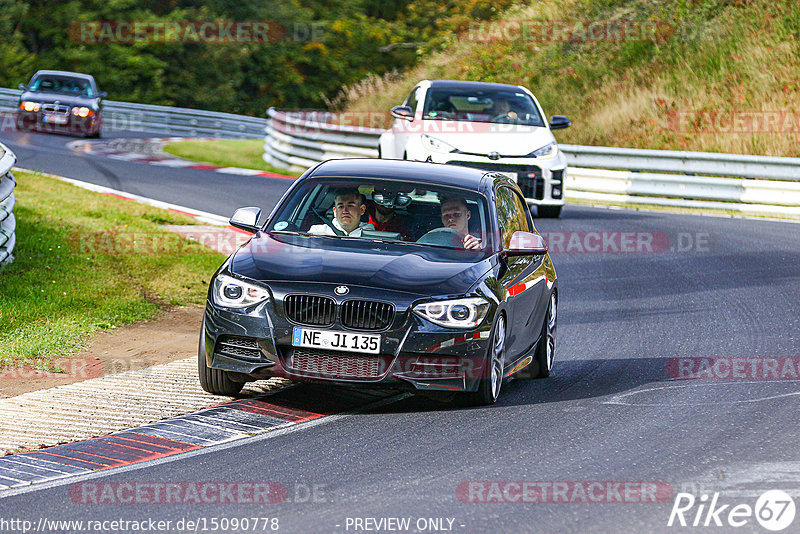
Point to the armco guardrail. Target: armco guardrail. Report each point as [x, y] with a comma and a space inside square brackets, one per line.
[676, 178]
[164, 119]
[745, 183]
[8, 223]
[299, 140]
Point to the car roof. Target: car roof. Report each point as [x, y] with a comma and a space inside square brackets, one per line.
[416, 171]
[474, 86]
[64, 73]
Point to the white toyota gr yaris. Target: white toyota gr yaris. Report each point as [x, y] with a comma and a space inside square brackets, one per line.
[490, 126]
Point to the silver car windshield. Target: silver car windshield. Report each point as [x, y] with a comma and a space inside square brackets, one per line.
[63, 84]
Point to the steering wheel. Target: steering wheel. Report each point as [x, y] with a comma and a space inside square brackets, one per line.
[444, 237]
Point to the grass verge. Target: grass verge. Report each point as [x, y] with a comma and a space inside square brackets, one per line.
[87, 261]
[244, 153]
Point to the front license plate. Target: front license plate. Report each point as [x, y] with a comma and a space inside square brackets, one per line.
[54, 119]
[334, 340]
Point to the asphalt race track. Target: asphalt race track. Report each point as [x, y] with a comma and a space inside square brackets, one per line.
[676, 370]
[185, 187]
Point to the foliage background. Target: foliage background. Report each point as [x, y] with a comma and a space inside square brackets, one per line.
[241, 78]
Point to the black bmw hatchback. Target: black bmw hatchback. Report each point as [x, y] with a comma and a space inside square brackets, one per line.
[385, 273]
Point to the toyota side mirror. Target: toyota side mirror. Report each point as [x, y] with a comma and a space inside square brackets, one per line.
[23, 87]
[526, 244]
[246, 219]
[403, 112]
[102, 94]
[559, 122]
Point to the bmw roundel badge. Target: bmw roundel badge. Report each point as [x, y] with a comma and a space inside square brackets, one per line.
[341, 290]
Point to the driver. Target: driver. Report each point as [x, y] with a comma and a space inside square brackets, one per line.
[501, 109]
[455, 215]
[348, 207]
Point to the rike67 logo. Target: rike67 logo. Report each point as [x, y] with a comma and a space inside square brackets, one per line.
[774, 510]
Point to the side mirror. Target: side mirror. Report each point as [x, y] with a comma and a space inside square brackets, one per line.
[559, 122]
[246, 219]
[23, 87]
[102, 94]
[526, 244]
[403, 112]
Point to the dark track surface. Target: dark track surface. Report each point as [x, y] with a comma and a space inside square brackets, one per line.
[185, 187]
[609, 412]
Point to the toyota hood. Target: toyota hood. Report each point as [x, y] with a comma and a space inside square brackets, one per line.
[483, 138]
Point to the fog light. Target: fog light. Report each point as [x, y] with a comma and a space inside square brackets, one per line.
[556, 192]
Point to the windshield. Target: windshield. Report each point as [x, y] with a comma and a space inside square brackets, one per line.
[386, 211]
[63, 84]
[499, 106]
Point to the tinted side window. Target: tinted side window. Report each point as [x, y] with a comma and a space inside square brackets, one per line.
[511, 214]
[412, 101]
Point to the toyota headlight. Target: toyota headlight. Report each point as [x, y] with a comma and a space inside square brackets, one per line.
[29, 106]
[546, 150]
[436, 145]
[234, 293]
[457, 313]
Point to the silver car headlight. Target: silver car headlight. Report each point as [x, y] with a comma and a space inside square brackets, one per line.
[435, 144]
[234, 293]
[27, 105]
[457, 313]
[546, 150]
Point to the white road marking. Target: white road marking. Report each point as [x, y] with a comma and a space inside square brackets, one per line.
[623, 399]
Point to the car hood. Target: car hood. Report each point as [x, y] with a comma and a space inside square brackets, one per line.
[507, 139]
[406, 268]
[63, 98]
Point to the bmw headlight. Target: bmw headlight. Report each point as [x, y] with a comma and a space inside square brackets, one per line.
[82, 112]
[435, 144]
[546, 150]
[457, 313]
[29, 106]
[234, 293]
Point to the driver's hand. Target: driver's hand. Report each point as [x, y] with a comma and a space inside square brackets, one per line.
[471, 242]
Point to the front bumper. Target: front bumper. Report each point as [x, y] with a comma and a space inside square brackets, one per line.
[414, 354]
[34, 120]
[540, 179]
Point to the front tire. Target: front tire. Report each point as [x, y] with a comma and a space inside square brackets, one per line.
[490, 385]
[548, 212]
[214, 381]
